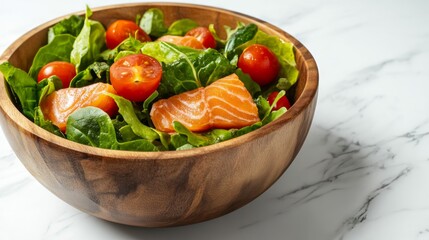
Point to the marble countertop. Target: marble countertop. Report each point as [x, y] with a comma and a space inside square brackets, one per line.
[363, 169]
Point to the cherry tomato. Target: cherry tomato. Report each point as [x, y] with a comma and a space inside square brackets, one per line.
[260, 63]
[203, 35]
[282, 102]
[121, 30]
[135, 77]
[63, 70]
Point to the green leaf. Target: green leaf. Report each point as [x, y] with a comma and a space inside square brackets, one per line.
[168, 53]
[264, 107]
[71, 25]
[23, 88]
[58, 49]
[197, 140]
[137, 145]
[89, 43]
[251, 86]
[241, 36]
[127, 134]
[91, 126]
[220, 43]
[273, 115]
[96, 72]
[152, 22]
[129, 46]
[39, 120]
[247, 129]
[126, 109]
[48, 86]
[181, 27]
[284, 52]
[190, 72]
[211, 65]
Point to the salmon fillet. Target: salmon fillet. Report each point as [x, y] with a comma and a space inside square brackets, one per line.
[58, 105]
[225, 104]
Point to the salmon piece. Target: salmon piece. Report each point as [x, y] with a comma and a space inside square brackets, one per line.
[231, 105]
[187, 41]
[58, 105]
[225, 104]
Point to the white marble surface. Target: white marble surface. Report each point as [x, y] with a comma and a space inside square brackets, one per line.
[363, 171]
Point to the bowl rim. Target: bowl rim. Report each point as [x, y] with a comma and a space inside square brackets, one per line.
[10, 111]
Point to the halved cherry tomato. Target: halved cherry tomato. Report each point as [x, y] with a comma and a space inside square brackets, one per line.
[282, 102]
[203, 35]
[135, 77]
[187, 41]
[121, 30]
[260, 63]
[63, 70]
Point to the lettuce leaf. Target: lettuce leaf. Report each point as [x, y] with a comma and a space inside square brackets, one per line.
[285, 54]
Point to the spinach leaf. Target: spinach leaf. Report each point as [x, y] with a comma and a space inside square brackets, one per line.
[178, 77]
[71, 25]
[167, 53]
[181, 27]
[188, 73]
[152, 22]
[58, 49]
[126, 109]
[91, 126]
[89, 43]
[129, 45]
[96, 72]
[241, 36]
[211, 65]
[23, 88]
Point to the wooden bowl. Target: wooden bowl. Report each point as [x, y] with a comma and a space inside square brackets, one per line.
[156, 189]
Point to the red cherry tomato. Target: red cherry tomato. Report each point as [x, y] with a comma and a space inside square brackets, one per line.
[260, 63]
[135, 77]
[282, 102]
[203, 35]
[63, 70]
[121, 30]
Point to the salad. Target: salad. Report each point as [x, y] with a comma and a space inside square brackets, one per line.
[146, 86]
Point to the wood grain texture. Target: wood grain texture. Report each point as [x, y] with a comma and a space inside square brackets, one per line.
[163, 188]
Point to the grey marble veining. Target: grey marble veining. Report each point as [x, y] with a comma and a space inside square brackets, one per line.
[362, 171]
